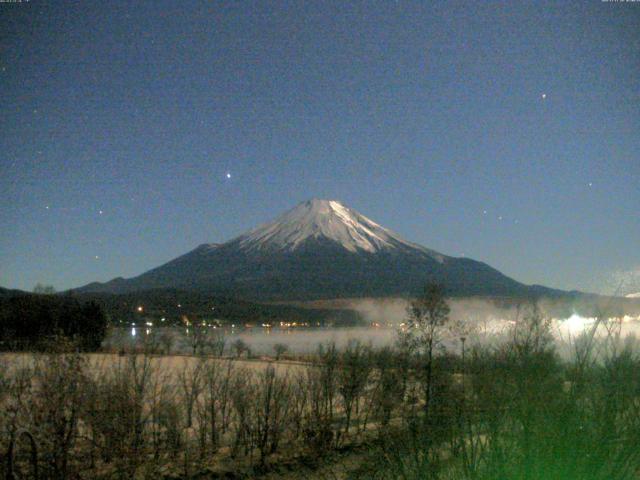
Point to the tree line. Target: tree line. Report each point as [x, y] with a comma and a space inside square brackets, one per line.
[32, 321]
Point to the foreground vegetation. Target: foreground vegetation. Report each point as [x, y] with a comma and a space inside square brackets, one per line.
[511, 411]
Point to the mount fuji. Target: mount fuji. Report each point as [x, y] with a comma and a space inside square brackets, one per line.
[320, 249]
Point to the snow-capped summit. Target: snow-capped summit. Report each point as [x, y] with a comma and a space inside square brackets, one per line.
[319, 249]
[323, 220]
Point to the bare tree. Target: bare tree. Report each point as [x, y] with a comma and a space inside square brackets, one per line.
[166, 339]
[190, 379]
[216, 344]
[298, 403]
[279, 349]
[388, 389]
[427, 315]
[240, 347]
[242, 397]
[531, 332]
[55, 408]
[322, 390]
[270, 411]
[209, 410]
[353, 376]
[197, 336]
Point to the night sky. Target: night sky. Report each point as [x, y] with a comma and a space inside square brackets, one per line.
[508, 133]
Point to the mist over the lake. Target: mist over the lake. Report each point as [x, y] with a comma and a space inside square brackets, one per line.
[479, 321]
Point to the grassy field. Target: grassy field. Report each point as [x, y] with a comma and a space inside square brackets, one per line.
[171, 364]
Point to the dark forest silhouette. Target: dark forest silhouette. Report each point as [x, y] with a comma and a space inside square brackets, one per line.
[30, 321]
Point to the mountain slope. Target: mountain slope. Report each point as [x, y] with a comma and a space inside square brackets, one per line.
[319, 249]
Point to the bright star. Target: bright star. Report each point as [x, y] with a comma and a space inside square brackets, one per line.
[544, 95]
[228, 175]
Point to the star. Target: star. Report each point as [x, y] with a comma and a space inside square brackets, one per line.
[590, 184]
[100, 212]
[544, 96]
[228, 175]
[47, 207]
[97, 257]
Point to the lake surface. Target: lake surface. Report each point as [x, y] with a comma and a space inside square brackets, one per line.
[261, 341]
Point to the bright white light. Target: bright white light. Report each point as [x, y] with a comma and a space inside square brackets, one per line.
[133, 332]
[228, 175]
[576, 324]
